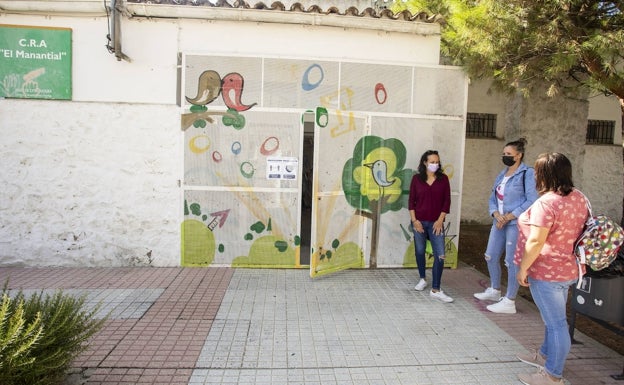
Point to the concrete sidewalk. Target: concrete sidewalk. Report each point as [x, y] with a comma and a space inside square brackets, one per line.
[258, 326]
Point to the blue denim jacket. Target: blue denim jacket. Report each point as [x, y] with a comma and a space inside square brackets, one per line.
[520, 192]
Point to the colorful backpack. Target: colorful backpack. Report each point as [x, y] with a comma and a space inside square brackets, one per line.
[598, 244]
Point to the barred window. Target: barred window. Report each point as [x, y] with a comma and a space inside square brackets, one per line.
[480, 125]
[600, 132]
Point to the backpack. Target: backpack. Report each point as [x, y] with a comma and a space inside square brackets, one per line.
[599, 242]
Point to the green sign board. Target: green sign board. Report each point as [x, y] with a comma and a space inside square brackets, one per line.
[35, 62]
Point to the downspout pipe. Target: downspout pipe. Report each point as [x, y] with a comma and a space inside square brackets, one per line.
[116, 38]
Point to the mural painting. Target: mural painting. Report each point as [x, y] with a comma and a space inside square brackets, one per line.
[374, 180]
[231, 211]
[242, 209]
[209, 87]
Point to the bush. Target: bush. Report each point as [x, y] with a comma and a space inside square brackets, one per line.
[16, 337]
[41, 336]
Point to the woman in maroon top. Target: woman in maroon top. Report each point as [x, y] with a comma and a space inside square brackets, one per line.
[429, 202]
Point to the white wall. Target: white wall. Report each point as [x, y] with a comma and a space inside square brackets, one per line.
[302, 41]
[95, 181]
[599, 175]
[482, 163]
[602, 179]
[88, 184]
[482, 156]
[153, 46]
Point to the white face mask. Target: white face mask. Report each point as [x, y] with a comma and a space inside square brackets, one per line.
[433, 167]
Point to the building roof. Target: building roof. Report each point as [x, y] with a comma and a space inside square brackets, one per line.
[370, 12]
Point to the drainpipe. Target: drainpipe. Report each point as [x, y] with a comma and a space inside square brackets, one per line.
[116, 38]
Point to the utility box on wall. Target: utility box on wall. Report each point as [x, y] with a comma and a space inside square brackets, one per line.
[601, 298]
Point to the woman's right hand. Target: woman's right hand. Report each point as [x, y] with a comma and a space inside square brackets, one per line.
[418, 226]
[501, 221]
[523, 278]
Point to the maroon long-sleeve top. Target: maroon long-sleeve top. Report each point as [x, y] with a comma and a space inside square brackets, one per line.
[429, 201]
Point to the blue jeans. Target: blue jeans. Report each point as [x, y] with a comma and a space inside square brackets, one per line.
[551, 298]
[503, 240]
[437, 245]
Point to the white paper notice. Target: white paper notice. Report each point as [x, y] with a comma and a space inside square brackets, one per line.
[282, 168]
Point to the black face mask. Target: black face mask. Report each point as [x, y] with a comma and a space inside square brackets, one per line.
[508, 160]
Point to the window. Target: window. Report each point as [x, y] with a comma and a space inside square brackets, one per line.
[480, 125]
[600, 132]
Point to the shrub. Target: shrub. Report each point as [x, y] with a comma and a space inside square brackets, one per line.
[16, 337]
[58, 331]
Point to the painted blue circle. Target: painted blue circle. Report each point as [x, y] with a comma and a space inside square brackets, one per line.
[305, 82]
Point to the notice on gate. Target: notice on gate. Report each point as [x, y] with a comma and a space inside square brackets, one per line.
[35, 62]
[282, 168]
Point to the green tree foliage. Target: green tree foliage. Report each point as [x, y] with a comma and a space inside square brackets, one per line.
[518, 43]
[41, 335]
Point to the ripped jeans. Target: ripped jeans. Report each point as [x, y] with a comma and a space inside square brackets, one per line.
[503, 240]
[438, 248]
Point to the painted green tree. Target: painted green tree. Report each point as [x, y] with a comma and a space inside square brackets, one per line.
[374, 181]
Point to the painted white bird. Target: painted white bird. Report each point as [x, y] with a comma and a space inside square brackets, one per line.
[380, 173]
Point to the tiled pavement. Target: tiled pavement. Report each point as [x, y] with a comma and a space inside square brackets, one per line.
[209, 326]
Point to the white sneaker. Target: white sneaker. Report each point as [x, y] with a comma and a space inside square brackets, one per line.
[440, 296]
[490, 294]
[504, 306]
[421, 284]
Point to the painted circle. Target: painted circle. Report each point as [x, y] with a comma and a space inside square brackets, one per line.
[247, 170]
[379, 88]
[194, 147]
[305, 81]
[236, 148]
[322, 117]
[216, 156]
[265, 150]
[449, 170]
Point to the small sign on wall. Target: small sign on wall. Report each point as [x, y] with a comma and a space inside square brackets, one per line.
[282, 168]
[35, 62]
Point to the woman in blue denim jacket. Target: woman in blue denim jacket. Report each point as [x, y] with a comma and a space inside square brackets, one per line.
[513, 192]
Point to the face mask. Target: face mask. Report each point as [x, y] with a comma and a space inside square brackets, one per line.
[508, 160]
[433, 167]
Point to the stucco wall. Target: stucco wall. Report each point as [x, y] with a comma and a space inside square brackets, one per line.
[548, 124]
[602, 179]
[89, 184]
[101, 173]
[481, 165]
[95, 181]
[153, 46]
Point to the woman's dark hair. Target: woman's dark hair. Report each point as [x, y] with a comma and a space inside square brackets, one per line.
[519, 146]
[553, 172]
[422, 169]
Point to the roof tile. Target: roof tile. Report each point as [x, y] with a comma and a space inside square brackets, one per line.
[385, 13]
